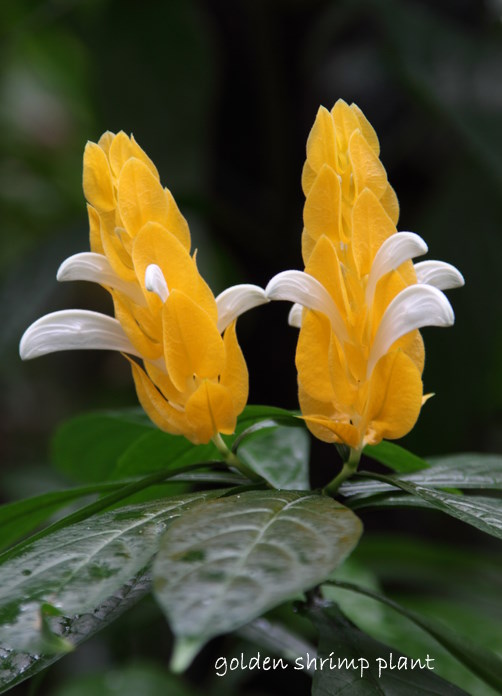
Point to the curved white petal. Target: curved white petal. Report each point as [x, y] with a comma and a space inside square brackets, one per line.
[396, 249]
[295, 316]
[304, 289]
[155, 281]
[415, 306]
[236, 300]
[440, 274]
[74, 329]
[96, 269]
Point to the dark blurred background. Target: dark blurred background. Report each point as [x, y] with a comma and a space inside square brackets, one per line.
[222, 95]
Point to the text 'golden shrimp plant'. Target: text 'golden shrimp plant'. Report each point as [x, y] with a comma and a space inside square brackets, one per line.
[360, 301]
[194, 380]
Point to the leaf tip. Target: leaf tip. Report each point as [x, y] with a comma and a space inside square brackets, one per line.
[184, 652]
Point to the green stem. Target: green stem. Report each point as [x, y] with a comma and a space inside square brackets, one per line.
[233, 460]
[348, 469]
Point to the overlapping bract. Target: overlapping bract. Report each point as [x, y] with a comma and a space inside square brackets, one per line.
[360, 355]
[194, 380]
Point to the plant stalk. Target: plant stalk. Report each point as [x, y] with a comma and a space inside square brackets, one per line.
[348, 469]
[233, 460]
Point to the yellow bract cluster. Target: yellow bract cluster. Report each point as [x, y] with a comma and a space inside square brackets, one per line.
[195, 381]
[350, 210]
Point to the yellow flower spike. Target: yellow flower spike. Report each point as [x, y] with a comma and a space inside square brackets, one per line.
[193, 347]
[160, 411]
[343, 141]
[234, 376]
[394, 398]
[210, 410]
[121, 148]
[154, 245]
[113, 246]
[322, 216]
[97, 179]
[371, 226]
[141, 198]
[105, 141]
[141, 330]
[312, 356]
[367, 129]
[95, 230]
[360, 355]
[367, 170]
[195, 381]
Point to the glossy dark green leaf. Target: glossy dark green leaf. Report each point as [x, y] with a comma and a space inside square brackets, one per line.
[395, 457]
[16, 666]
[480, 660]
[362, 665]
[230, 560]
[484, 513]
[76, 568]
[279, 454]
[462, 471]
[418, 581]
[124, 491]
[21, 517]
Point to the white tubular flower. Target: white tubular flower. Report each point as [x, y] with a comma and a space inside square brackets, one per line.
[305, 290]
[74, 329]
[96, 268]
[440, 274]
[236, 300]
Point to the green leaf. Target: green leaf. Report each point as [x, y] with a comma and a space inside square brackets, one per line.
[455, 585]
[482, 661]
[395, 457]
[230, 560]
[279, 454]
[19, 518]
[124, 492]
[472, 575]
[16, 666]
[463, 620]
[254, 413]
[154, 450]
[362, 665]
[157, 450]
[276, 638]
[466, 470]
[130, 680]
[111, 445]
[86, 448]
[462, 471]
[79, 566]
[481, 512]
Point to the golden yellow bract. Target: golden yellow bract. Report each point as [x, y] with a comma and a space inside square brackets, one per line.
[348, 392]
[195, 380]
[342, 163]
